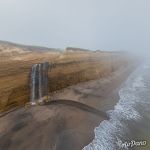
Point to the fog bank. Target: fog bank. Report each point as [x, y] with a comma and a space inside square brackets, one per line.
[92, 24]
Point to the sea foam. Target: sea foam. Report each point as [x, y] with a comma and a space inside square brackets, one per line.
[108, 134]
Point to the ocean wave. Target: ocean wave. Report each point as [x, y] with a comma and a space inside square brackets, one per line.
[110, 132]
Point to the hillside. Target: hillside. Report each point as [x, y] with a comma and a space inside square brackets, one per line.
[74, 49]
[9, 46]
[66, 69]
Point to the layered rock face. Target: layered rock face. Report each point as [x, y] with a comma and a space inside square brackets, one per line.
[23, 76]
[16, 62]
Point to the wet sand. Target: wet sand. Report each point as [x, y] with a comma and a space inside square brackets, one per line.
[101, 94]
[61, 125]
[54, 126]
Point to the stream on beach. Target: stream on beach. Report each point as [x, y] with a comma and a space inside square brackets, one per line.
[129, 123]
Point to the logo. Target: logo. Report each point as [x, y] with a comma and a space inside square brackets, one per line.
[130, 144]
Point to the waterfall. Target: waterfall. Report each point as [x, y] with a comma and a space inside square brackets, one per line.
[33, 80]
[39, 83]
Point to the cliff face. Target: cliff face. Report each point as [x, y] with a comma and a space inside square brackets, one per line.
[15, 65]
[66, 69]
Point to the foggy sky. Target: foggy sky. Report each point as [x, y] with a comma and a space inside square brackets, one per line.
[93, 24]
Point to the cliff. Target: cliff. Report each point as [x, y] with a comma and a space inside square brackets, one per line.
[66, 69]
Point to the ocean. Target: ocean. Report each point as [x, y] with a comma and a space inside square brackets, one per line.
[128, 127]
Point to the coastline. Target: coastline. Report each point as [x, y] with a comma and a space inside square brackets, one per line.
[66, 69]
[97, 93]
[62, 127]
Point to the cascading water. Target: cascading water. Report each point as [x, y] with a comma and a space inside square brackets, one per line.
[39, 83]
[33, 74]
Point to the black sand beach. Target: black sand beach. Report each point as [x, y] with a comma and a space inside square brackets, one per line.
[62, 124]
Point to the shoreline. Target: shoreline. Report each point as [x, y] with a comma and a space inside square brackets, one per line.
[62, 127]
[100, 90]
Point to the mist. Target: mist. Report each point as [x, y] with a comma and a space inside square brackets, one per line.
[93, 24]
